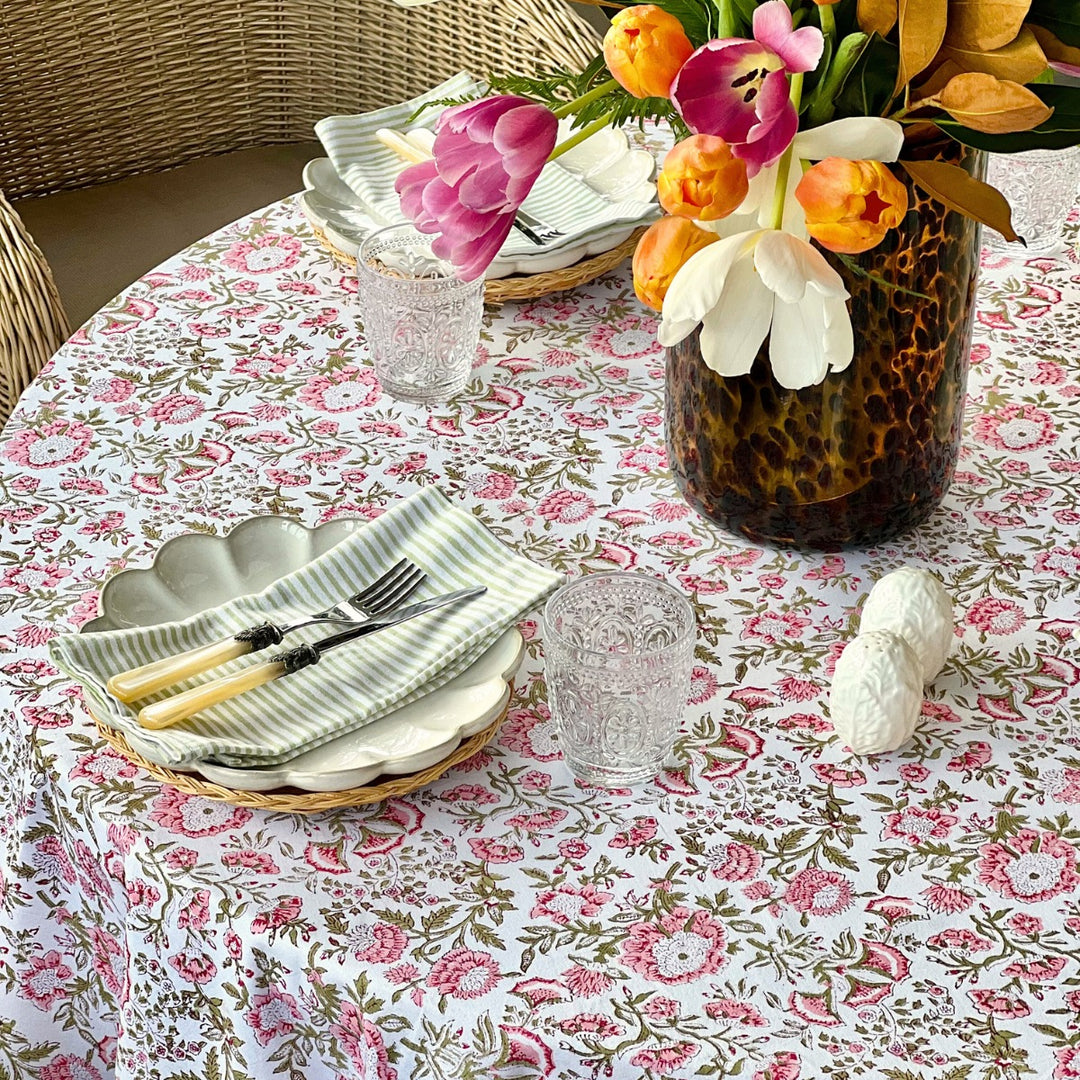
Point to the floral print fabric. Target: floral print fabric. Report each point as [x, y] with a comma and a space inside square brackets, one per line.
[770, 908]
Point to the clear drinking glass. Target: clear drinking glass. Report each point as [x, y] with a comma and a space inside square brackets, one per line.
[422, 322]
[618, 652]
[1041, 187]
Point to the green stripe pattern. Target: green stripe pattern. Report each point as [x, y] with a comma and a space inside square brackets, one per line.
[558, 199]
[355, 683]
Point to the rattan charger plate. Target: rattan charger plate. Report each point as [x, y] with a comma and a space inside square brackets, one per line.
[532, 286]
[292, 801]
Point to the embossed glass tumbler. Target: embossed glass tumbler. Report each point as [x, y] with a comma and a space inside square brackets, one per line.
[1041, 186]
[618, 651]
[422, 322]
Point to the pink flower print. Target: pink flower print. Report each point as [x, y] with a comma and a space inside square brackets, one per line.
[640, 831]
[627, 339]
[666, 510]
[838, 776]
[175, 409]
[975, 756]
[273, 1014]
[1016, 428]
[181, 858]
[741, 1012]
[196, 911]
[535, 781]
[378, 943]
[946, 900]
[531, 732]
[784, 1066]
[464, 974]
[36, 716]
[913, 774]
[409, 465]
[683, 946]
[470, 793]
[69, 1067]
[192, 815]
[773, 628]
[51, 860]
[703, 685]
[585, 421]
[734, 861]
[1068, 1063]
[363, 1042]
[111, 389]
[562, 382]
[939, 712]
[492, 850]
[677, 540]
[84, 609]
[565, 903]
[141, 894]
[593, 1023]
[259, 364]
[1030, 867]
[792, 689]
[265, 254]
[960, 939]
[668, 1058]
[1061, 562]
[63, 442]
[819, 892]
[574, 850]
[661, 1008]
[33, 576]
[285, 478]
[811, 722]
[42, 982]
[543, 821]
[1026, 925]
[916, 826]
[110, 959]
[403, 973]
[892, 909]
[587, 982]
[566, 507]
[704, 586]
[1037, 971]
[194, 967]
[644, 459]
[344, 390]
[996, 1003]
[993, 616]
[282, 913]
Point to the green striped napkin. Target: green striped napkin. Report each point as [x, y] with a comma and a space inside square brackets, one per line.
[353, 684]
[559, 198]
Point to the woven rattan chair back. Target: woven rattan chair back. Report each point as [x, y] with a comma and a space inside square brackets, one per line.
[97, 90]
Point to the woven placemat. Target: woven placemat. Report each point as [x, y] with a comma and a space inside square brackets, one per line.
[291, 801]
[532, 286]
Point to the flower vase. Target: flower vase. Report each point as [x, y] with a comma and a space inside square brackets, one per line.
[869, 453]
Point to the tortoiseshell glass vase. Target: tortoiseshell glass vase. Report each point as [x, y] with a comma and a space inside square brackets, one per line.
[870, 452]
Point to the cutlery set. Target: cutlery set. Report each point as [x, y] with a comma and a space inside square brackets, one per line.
[375, 607]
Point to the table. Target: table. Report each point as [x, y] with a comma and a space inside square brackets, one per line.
[769, 908]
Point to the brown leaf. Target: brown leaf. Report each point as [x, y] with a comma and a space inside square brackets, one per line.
[996, 106]
[1054, 49]
[1020, 61]
[938, 79]
[922, 30]
[877, 16]
[960, 191]
[985, 24]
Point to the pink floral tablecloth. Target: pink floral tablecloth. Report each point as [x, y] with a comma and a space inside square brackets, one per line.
[769, 908]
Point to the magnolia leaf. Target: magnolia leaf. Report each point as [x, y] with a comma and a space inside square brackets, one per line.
[1022, 60]
[996, 106]
[960, 191]
[1060, 17]
[1060, 130]
[922, 30]
[1054, 48]
[937, 82]
[877, 16]
[985, 24]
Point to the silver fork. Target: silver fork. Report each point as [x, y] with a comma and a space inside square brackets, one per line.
[534, 229]
[388, 590]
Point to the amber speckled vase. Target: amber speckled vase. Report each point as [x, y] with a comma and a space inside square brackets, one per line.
[870, 452]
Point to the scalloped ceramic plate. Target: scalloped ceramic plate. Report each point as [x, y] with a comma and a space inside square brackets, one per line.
[195, 571]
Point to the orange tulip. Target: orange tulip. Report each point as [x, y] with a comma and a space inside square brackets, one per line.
[661, 251]
[851, 205]
[644, 49]
[702, 179]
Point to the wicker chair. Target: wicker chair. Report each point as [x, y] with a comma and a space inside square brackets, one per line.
[98, 90]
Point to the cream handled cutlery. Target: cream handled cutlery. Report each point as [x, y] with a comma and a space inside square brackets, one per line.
[386, 592]
[179, 707]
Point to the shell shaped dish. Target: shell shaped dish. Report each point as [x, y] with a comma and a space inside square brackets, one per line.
[195, 571]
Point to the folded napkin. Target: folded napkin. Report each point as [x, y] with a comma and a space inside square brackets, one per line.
[559, 199]
[355, 683]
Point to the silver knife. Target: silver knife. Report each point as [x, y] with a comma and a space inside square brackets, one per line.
[180, 706]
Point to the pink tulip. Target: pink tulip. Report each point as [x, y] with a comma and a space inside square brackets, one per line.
[738, 89]
[488, 155]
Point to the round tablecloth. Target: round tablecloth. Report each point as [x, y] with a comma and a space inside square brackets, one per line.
[769, 908]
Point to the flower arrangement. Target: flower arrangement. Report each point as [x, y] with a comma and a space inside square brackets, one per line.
[791, 119]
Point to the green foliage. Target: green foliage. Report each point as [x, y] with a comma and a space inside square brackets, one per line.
[1060, 17]
[871, 77]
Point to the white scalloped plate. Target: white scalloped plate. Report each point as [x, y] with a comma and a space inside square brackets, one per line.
[195, 571]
